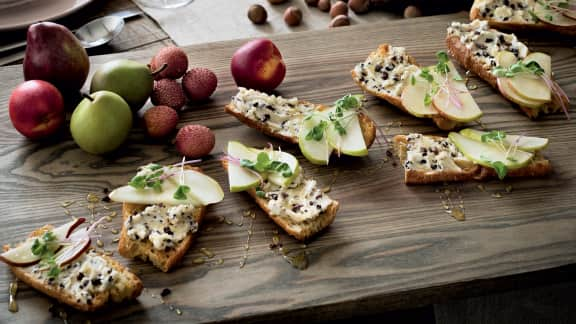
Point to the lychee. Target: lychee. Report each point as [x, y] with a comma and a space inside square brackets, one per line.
[175, 59]
[194, 141]
[199, 84]
[168, 92]
[160, 121]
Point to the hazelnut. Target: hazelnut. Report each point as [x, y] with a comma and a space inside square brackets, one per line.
[339, 8]
[276, 1]
[340, 20]
[359, 6]
[412, 11]
[292, 16]
[324, 5]
[257, 14]
[312, 3]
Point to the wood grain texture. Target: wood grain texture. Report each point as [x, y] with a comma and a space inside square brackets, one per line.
[390, 244]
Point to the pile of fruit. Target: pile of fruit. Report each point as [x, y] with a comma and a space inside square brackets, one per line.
[56, 67]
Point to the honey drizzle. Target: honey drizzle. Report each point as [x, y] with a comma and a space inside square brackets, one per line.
[13, 290]
[455, 209]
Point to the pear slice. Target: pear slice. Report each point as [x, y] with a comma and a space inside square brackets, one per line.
[524, 143]
[505, 59]
[292, 162]
[413, 95]
[552, 16]
[317, 152]
[203, 191]
[446, 107]
[543, 59]
[239, 178]
[510, 93]
[485, 154]
[352, 143]
[532, 87]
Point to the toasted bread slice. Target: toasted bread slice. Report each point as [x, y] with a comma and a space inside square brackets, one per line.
[516, 19]
[467, 170]
[404, 66]
[124, 286]
[299, 230]
[466, 57]
[299, 110]
[164, 260]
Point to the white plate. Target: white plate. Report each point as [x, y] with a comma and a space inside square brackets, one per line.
[22, 16]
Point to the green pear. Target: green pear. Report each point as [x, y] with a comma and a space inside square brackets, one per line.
[101, 122]
[132, 80]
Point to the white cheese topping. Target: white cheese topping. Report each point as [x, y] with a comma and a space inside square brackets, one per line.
[431, 154]
[298, 203]
[515, 11]
[85, 277]
[485, 43]
[282, 115]
[386, 74]
[164, 226]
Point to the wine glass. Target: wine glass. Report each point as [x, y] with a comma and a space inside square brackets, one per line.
[164, 4]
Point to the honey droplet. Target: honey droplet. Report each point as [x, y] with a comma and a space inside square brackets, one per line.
[99, 243]
[496, 195]
[458, 214]
[13, 290]
[198, 261]
[207, 252]
[92, 198]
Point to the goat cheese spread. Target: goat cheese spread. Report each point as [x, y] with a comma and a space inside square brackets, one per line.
[164, 226]
[427, 153]
[84, 278]
[514, 11]
[386, 74]
[301, 202]
[485, 43]
[282, 115]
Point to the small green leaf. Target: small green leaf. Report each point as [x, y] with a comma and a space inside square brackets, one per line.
[442, 65]
[458, 77]
[154, 167]
[181, 192]
[425, 74]
[412, 79]
[260, 193]
[138, 182]
[317, 132]
[427, 99]
[493, 136]
[500, 169]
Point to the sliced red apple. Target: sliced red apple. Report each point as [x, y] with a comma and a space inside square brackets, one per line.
[552, 16]
[22, 255]
[453, 101]
[71, 252]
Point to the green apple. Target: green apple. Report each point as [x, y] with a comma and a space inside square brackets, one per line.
[413, 97]
[352, 143]
[315, 151]
[203, 191]
[240, 178]
[452, 84]
[101, 122]
[486, 154]
[292, 162]
[524, 143]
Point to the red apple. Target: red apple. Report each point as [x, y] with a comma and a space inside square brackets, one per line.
[36, 109]
[258, 65]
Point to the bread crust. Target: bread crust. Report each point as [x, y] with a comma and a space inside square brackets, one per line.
[163, 260]
[99, 300]
[539, 167]
[301, 232]
[522, 27]
[366, 124]
[383, 50]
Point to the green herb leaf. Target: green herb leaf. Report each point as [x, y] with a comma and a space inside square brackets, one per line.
[317, 132]
[518, 68]
[260, 193]
[138, 182]
[493, 136]
[458, 77]
[265, 164]
[181, 192]
[442, 65]
[412, 79]
[427, 99]
[533, 15]
[154, 167]
[425, 74]
[500, 169]
[349, 102]
[339, 128]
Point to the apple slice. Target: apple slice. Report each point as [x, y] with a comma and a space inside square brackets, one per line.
[413, 95]
[239, 178]
[524, 143]
[317, 152]
[71, 252]
[203, 191]
[352, 143]
[485, 154]
[292, 162]
[551, 16]
[22, 255]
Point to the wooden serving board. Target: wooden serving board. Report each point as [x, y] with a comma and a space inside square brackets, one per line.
[390, 244]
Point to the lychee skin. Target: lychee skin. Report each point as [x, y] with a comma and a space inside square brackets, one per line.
[195, 141]
[168, 92]
[175, 59]
[199, 84]
[160, 121]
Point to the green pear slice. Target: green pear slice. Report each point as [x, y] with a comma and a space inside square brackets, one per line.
[239, 178]
[317, 152]
[203, 191]
[552, 16]
[485, 154]
[510, 93]
[524, 143]
[453, 83]
[292, 162]
[530, 86]
[352, 143]
[413, 95]
[505, 59]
